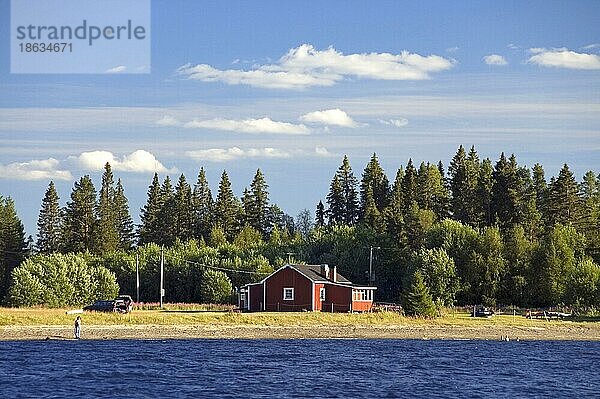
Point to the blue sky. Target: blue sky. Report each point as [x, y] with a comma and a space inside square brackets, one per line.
[290, 87]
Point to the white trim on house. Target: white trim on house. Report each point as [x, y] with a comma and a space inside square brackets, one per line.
[264, 297]
[291, 291]
[322, 294]
[312, 305]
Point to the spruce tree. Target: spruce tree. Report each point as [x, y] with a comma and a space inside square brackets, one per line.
[12, 242]
[506, 192]
[372, 216]
[227, 208]
[203, 207]
[183, 213]
[485, 184]
[431, 191]
[540, 188]
[565, 205]
[335, 202]
[123, 220]
[350, 196]
[463, 184]
[49, 223]
[149, 228]
[106, 234]
[80, 217]
[259, 204]
[418, 301]
[320, 215]
[409, 186]
[393, 213]
[167, 218]
[590, 195]
[374, 177]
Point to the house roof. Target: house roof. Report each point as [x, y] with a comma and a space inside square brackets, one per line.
[313, 272]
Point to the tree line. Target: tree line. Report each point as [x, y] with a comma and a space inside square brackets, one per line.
[484, 232]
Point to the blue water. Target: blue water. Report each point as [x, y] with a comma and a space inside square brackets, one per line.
[298, 368]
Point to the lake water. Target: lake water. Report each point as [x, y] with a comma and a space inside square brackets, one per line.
[298, 368]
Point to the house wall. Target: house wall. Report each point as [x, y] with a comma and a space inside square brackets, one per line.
[339, 296]
[288, 278]
[318, 303]
[256, 297]
[362, 306]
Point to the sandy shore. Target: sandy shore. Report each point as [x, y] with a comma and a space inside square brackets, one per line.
[550, 332]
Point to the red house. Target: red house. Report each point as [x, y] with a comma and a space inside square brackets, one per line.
[305, 287]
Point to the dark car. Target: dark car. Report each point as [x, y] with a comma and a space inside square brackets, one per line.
[123, 304]
[481, 311]
[101, 306]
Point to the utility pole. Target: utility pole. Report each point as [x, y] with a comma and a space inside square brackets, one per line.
[137, 277]
[162, 266]
[371, 264]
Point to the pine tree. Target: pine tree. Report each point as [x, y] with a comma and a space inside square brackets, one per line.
[418, 301]
[183, 212]
[149, 229]
[320, 215]
[49, 223]
[374, 177]
[12, 242]
[335, 202]
[203, 207]
[105, 233]
[80, 217]
[565, 205]
[259, 204]
[123, 220]
[227, 208]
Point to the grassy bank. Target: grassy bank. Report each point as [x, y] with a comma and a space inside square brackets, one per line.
[32, 323]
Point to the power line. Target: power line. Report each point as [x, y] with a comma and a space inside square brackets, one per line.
[224, 268]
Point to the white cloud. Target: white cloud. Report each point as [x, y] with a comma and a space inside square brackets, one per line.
[117, 69]
[452, 49]
[262, 125]
[591, 46]
[304, 67]
[513, 46]
[167, 120]
[564, 58]
[321, 151]
[395, 122]
[494, 59]
[139, 161]
[335, 117]
[44, 169]
[228, 154]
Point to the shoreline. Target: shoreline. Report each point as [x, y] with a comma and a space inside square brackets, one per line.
[219, 331]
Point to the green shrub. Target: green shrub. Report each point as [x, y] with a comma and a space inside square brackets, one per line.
[215, 287]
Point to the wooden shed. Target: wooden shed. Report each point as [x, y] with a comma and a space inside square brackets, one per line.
[305, 287]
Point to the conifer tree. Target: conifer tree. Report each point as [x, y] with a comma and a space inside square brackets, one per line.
[105, 233]
[350, 197]
[49, 222]
[320, 215]
[123, 219]
[12, 242]
[409, 186]
[540, 188]
[372, 216]
[80, 217]
[227, 208]
[485, 184]
[590, 195]
[463, 184]
[374, 177]
[565, 205]
[149, 229]
[393, 214]
[418, 301]
[167, 218]
[203, 206]
[506, 192]
[431, 192]
[335, 202]
[257, 213]
[183, 210]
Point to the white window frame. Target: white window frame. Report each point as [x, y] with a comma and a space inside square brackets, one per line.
[322, 294]
[291, 291]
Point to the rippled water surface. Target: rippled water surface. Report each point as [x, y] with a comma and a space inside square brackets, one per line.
[298, 368]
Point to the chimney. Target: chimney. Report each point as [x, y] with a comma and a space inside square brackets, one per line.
[325, 270]
[334, 277]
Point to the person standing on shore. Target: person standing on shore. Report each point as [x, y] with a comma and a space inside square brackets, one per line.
[77, 331]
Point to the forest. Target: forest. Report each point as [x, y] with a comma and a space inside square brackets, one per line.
[482, 232]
